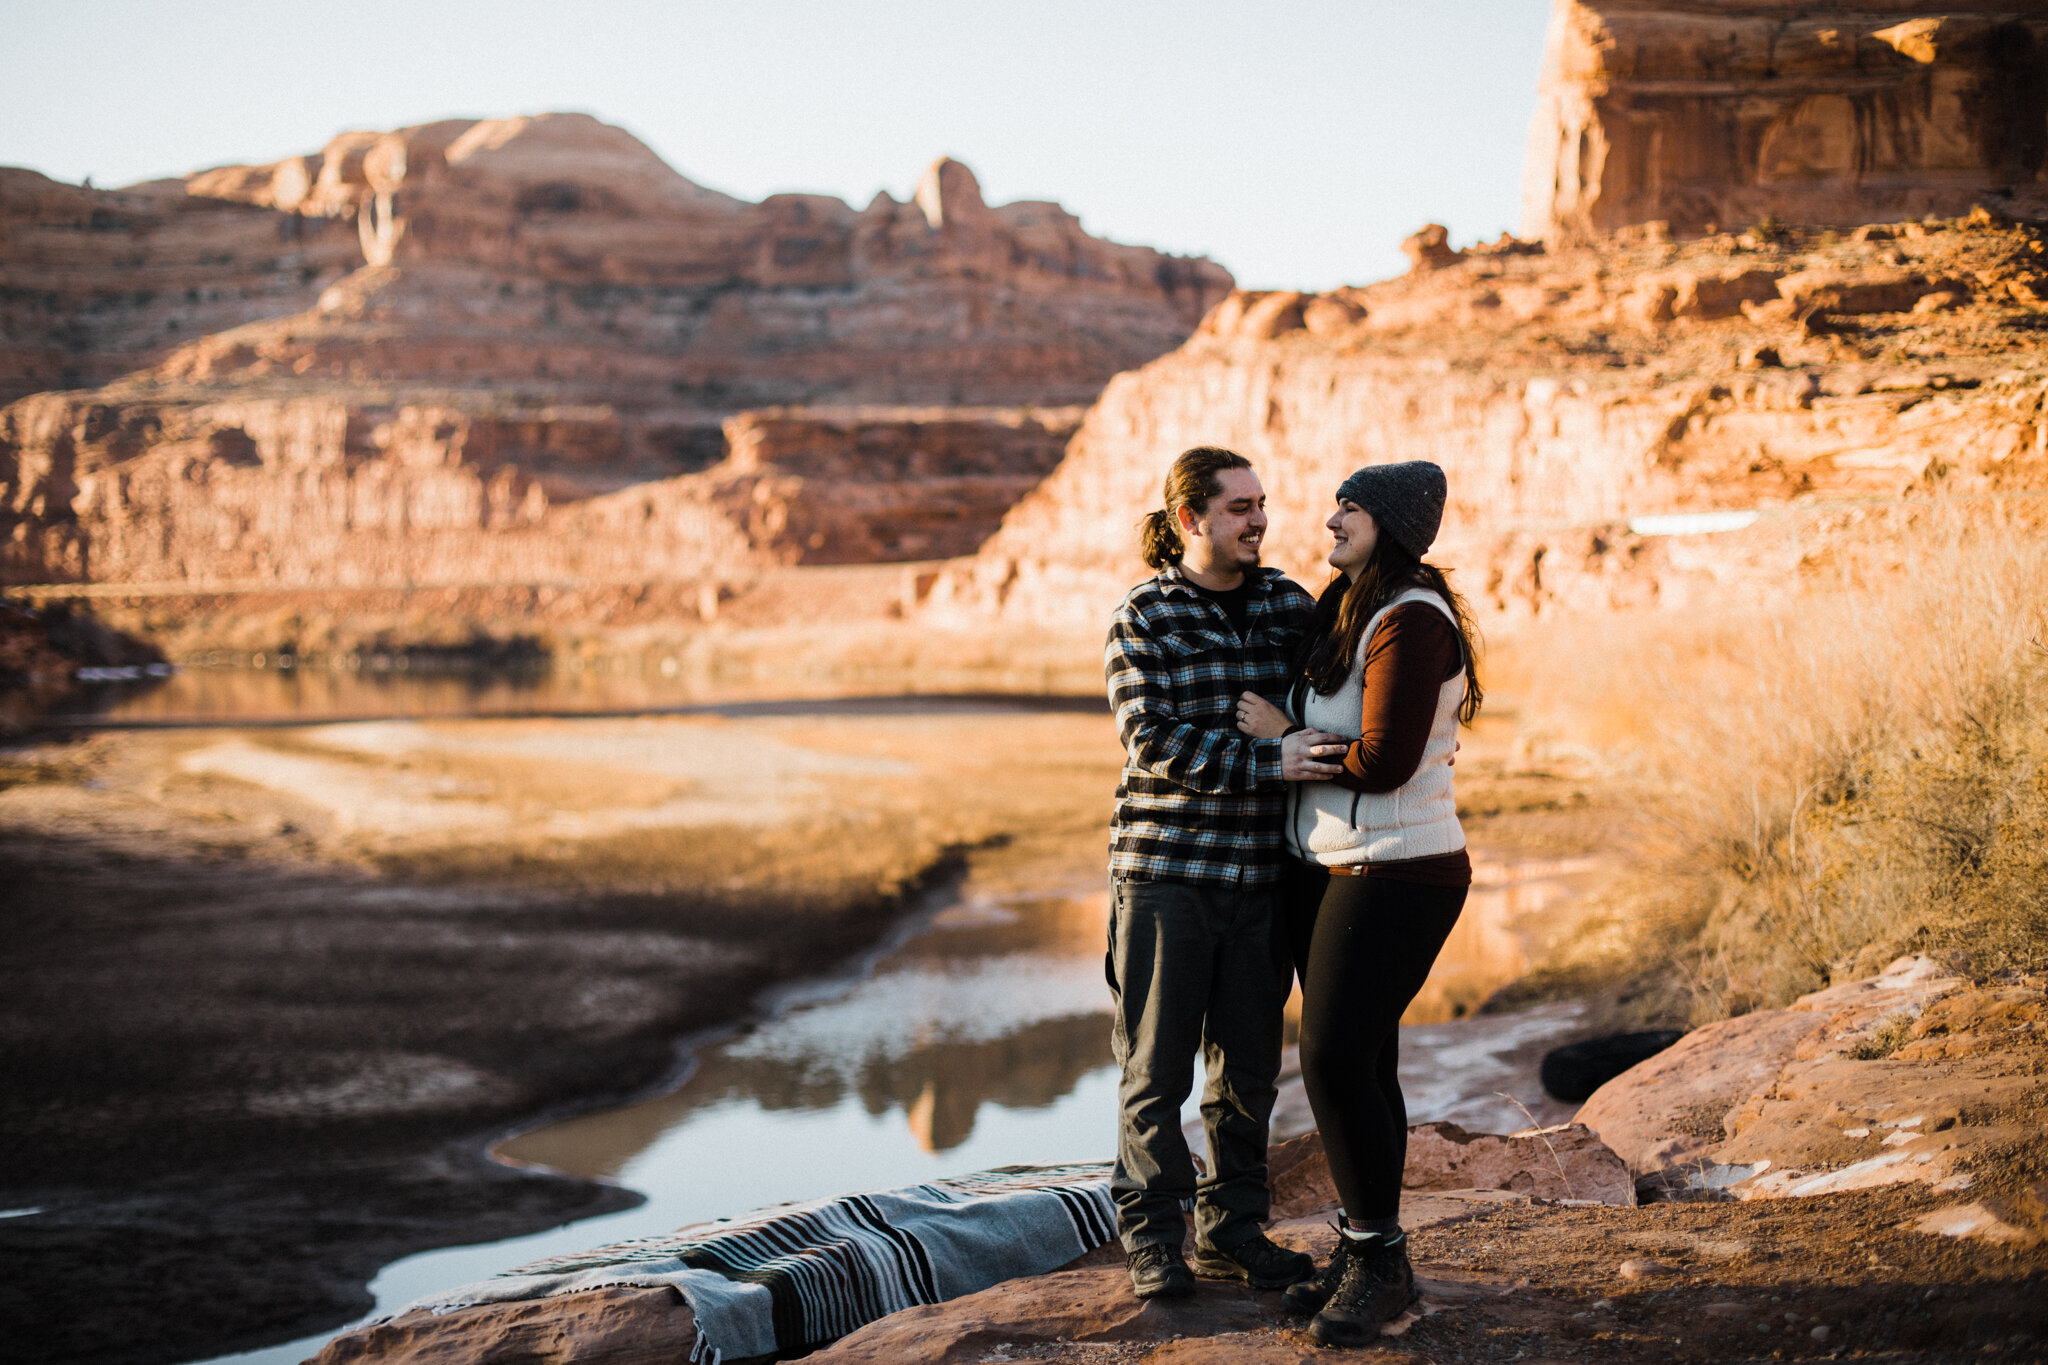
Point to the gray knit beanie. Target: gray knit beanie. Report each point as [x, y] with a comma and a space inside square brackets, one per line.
[1407, 500]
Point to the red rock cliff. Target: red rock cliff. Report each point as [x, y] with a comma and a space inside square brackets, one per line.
[561, 252]
[1708, 114]
[1812, 387]
[454, 352]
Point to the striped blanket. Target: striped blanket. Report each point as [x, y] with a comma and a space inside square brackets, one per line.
[791, 1278]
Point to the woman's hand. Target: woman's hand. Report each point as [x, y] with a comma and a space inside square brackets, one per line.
[1312, 756]
[1259, 718]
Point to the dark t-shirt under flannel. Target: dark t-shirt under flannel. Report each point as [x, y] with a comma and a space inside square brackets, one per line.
[1200, 801]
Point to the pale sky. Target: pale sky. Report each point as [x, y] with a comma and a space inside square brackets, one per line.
[1295, 141]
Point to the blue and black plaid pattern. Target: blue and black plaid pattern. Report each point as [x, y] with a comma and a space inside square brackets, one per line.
[1199, 800]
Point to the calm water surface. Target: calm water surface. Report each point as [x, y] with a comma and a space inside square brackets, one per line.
[196, 695]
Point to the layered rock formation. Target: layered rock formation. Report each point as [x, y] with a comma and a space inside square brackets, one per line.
[1809, 389]
[470, 337]
[1712, 114]
[322, 492]
[562, 251]
[95, 283]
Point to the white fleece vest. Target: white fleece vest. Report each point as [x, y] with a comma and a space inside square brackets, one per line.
[1333, 825]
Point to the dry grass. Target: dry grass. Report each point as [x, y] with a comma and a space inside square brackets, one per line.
[1860, 772]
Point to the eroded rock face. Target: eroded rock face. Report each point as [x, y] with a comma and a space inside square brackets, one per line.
[1908, 1076]
[95, 283]
[325, 492]
[1708, 115]
[560, 252]
[408, 357]
[1575, 398]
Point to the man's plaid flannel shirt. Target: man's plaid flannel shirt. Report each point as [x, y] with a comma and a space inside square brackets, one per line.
[1200, 801]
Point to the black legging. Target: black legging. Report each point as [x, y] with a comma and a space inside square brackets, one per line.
[1363, 947]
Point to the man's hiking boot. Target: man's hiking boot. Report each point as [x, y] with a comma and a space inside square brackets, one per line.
[1254, 1261]
[1377, 1287]
[1312, 1293]
[1158, 1272]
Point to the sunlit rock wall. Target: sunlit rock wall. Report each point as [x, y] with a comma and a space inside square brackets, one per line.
[1716, 114]
[1813, 391]
[559, 253]
[321, 492]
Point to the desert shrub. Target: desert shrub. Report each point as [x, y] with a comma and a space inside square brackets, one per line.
[1889, 1036]
[1857, 771]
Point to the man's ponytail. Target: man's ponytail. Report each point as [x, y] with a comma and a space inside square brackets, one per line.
[1159, 539]
[1190, 483]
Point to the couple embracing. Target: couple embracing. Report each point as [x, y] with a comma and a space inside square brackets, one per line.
[1285, 810]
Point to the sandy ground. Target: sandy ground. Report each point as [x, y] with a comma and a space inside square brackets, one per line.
[1835, 1277]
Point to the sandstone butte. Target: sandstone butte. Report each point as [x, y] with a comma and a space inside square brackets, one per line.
[438, 352]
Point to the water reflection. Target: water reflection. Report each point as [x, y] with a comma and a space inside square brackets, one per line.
[1485, 950]
[1001, 1003]
[616, 685]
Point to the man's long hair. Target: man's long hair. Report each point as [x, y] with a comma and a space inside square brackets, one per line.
[1190, 483]
[1347, 606]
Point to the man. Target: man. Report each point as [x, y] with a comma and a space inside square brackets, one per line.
[1195, 960]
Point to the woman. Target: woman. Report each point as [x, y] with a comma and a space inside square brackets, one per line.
[1378, 872]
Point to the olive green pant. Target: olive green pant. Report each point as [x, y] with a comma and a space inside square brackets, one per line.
[1194, 969]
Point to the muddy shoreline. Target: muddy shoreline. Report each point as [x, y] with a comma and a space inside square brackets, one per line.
[271, 992]
[189, 1210]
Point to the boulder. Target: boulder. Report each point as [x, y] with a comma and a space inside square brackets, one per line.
[1565, 1162]
[1880, 1081]
[599, 1327]
[1328, 315]
[1273, 315]
[1721, 294]
[1070, 1305]
[1858, 291]
[1668, 1110]
[1430, 249]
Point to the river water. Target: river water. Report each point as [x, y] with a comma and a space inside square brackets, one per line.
[977, 1036]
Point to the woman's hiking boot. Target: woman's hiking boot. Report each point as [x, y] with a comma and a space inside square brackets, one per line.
[1256, 1261]
[1312, 1293]
[1377, 1287]
[1158, 1272]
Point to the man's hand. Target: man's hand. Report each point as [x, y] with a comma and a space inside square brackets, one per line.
[1259, 718]
[1312, 755]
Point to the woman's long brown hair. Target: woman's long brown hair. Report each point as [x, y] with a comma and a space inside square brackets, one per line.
[1347, 606]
